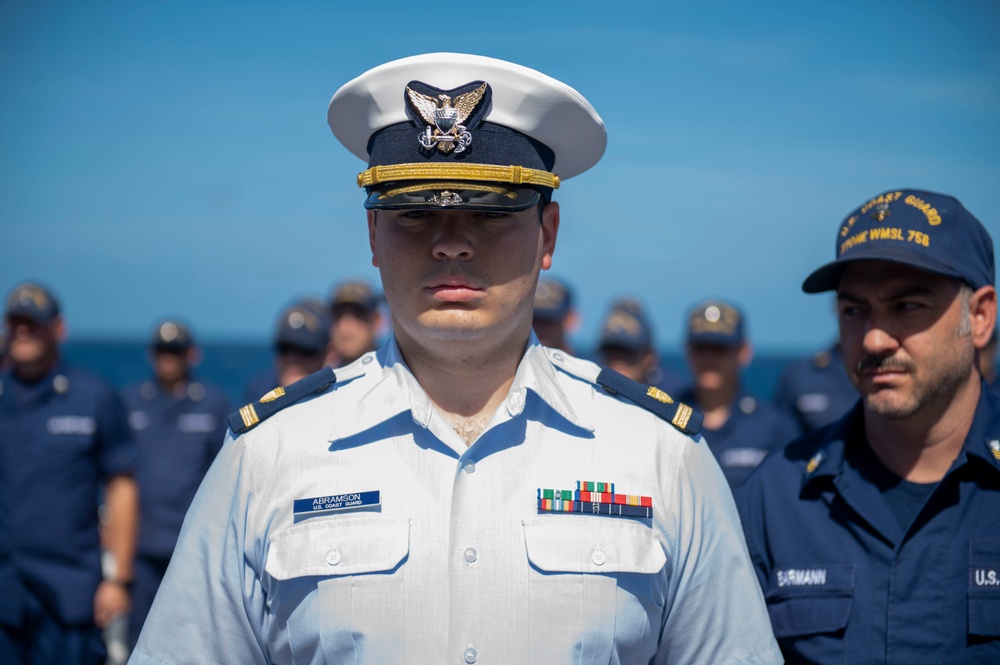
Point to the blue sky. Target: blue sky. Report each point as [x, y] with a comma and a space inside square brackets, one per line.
[173, 158]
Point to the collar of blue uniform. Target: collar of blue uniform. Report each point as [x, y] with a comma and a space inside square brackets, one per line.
[828, 459]
[982, 441]
[395, 390]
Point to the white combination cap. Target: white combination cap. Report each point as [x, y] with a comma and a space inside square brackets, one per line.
[462, 124]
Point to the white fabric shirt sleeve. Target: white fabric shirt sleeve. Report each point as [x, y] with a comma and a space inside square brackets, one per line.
[716, 610]
[210, 607]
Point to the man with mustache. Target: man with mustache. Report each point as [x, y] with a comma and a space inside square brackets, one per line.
[463, 494]
[877, 539]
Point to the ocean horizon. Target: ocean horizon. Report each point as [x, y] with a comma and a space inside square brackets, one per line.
[231, 364]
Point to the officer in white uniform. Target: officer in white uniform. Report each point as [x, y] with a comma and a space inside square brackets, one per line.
[463, 494]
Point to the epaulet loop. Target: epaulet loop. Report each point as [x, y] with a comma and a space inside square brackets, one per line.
[651, 398]
[257, 412]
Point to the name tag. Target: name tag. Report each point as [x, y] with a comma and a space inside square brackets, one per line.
[801, 577]
[813, 403]
[828, 576]
[196, 422]
[742, 457]
[61, 425]
[138, 420]
[335, 502]
[983, 578]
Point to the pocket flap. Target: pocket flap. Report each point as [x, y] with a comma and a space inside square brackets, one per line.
[338, 546]
[792, 616]
[577, 544]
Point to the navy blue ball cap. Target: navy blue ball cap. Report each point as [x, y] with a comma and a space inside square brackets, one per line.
[356, 293]
[452, 130]
[715, 322]
[33, 301]
[171, 335]
[928, 231]
[626, 327]
[553, 300]
[304, 326]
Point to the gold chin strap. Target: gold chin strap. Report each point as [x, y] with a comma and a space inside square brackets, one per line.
[514, 175]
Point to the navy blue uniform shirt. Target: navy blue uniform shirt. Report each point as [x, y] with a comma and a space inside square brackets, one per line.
[753, 429]
[816, 391]
[62, 438]
[10, 596]
[177, 438]
[845, 582]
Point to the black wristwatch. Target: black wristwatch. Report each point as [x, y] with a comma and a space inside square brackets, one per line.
[125, 584]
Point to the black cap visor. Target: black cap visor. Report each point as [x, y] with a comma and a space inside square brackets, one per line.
[452, 195]
[715, 339]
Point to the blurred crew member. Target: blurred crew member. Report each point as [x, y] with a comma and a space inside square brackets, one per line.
[876, 539]
[626, 346]
[739, 428]
[178, 424]
[554, 317]
[816, 391]
[301, 341]
[63, 436]
[355, 322]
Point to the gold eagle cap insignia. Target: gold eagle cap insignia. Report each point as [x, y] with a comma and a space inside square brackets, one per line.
[446, 116]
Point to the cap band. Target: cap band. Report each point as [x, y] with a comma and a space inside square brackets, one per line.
[460, 196]
[514, 175]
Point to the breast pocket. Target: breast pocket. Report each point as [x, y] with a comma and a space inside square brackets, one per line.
[356, 566]
[809, 608]
[984, 589]
[595, 582]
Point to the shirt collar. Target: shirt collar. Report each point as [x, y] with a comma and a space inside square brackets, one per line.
[389, 389]
[828, 460]
[982, 441]
[537, 374]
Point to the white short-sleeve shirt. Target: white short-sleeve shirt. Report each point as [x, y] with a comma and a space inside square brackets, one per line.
[456, 563]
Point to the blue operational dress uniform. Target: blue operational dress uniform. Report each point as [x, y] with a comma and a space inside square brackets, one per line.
[860, 567]
[303, 327]
[356, 526]
[10, 599]
[178, 437]
[346, 521]
[62, 438]
[626, 328]
[858, 563]
[816, 391]
[752, 430]
[716, 330]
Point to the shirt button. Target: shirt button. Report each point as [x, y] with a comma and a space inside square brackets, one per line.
[470, 555]
[470, 467]
[333, 557]
[366, 360]
[558, 356]
[598, 557]
[471, 655]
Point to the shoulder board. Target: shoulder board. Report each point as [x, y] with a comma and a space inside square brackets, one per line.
[681, 416]
[255, 413]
